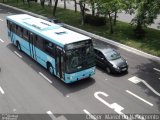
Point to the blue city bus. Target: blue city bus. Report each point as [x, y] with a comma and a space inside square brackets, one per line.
[64, 53]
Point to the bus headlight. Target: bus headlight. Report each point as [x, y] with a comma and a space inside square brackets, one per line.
[93, 70]
[70, 78]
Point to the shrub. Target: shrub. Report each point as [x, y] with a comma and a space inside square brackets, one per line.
[95, 20]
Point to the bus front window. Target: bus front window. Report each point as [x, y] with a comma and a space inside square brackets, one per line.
[79, 59]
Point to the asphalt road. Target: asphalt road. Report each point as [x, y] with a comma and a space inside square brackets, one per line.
[23, 89]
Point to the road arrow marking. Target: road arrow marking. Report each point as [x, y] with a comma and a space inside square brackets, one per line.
[134, 79]
[137, 80]
[117, 108]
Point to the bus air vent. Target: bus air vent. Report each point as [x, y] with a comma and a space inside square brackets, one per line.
[60, 33]
[45, 23]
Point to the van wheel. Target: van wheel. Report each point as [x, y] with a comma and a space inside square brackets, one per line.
[50, 69]
[18, 46]
[108, 70]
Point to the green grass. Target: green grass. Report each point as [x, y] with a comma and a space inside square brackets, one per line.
[123, 32]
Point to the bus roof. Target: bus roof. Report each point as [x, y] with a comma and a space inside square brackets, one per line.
[50, 31]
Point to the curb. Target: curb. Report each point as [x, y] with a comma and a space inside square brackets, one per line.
[125, 47]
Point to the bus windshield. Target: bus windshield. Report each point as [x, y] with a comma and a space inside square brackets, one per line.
[79, 58]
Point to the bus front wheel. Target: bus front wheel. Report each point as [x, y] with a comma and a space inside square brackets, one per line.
[18, 46]
[50, 69]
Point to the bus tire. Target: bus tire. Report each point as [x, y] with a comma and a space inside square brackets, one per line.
[50, 68]
[18, 45]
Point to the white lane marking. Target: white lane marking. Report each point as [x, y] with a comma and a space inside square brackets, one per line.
[1, 40]
[137, 80]
[14, 110]
[1, 90]
[156, 69]
[1, 20]
[134, 79]
[117, 108]
[51, 115]
[90, 116]
[158, 94]
[67, 95]
[18, 54]
[45, 77]
[139, 98]
[54, 118]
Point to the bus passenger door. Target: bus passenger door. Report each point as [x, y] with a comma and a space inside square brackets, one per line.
[59, 63]
[32, 45]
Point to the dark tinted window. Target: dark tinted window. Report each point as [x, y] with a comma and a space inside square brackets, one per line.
[9, 24]
[96, 52]
[19, 31]
[49, 48]
[100, 54]
[39, 42]
[25, 34]
[112, 55]
[14, 28]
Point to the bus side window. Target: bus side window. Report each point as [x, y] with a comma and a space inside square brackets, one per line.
[39, 42]
[8, 24]
[19, 31]
[14, 29]
[49, 48]
[25, 34]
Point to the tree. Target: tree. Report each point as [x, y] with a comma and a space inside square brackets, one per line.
[82, 5]
[75, 5]
[23, 2]
[28, 1]
[93, 7]
[130, 6]
[42, 3]
[146, 12]
[110, 8]
[50, 3]
[55, 7]
[64, 4]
